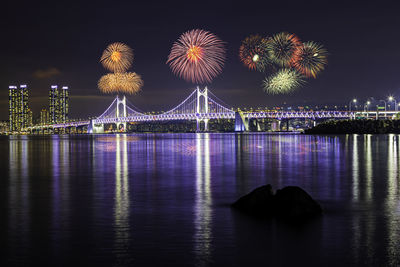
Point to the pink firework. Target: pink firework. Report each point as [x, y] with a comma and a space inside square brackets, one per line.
[197, 56]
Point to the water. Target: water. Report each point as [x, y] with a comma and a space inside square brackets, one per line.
[163, 200]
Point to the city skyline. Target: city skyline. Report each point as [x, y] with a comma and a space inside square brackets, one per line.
[69, 53]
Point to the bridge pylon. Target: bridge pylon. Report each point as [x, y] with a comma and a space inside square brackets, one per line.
[241, 123]
[202, 108]
[121, 126]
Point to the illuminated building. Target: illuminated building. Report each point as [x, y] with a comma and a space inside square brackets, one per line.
[58, 104]
[44, 117]
[53, 104]
[63, 104]
[12, 108]
[24, 109]
[18, 108]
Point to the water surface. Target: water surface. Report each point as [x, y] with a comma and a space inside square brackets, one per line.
[163, 199]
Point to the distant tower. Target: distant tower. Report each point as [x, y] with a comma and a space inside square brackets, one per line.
[23, 106]
[53, 104]
[12, 107]
[18, 107]
[63, 105]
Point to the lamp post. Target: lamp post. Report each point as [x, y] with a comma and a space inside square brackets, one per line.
[391, 98]
[366, 106]
[352, 101]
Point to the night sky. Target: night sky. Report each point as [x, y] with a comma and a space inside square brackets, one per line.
[61, 43]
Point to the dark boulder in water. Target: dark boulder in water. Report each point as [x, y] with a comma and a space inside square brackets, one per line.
[258, 203]
[290, 203]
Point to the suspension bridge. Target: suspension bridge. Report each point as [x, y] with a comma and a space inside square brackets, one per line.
[200, 106]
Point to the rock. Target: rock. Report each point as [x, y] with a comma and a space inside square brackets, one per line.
[292, 202]
[258, 203]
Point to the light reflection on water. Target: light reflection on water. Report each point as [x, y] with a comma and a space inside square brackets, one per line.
[121, 210]
[141, 199]
[203, 202]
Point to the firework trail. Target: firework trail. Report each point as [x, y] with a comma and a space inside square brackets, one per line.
[117, 57]
[197, 56]
[310, 59]
[254, 52]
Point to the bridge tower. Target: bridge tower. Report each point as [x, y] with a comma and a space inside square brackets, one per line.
[241, 123]
[202, 108]
[121, 126]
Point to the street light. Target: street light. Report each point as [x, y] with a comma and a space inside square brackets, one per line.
[391, 98]
[366, 105]
[354, 101]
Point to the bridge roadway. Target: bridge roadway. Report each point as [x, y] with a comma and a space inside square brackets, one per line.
[278, 115]
[172, 117]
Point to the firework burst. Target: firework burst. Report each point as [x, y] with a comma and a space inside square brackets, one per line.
[282, 48]
[197, 56]
[117, 57]
[310, 59]
[128, 82]
[282, 82]
[254, 52]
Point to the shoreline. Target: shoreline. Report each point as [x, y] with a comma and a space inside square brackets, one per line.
[387, 126]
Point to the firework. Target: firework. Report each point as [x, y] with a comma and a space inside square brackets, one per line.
[117, 57]
[283, 82]
[310, 59]
[282, 48]
[129, 82]
[197, 56]
[253, 52]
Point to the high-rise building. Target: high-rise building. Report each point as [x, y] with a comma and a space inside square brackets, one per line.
[63, 104]
[18, 107]
[23, 109]
[44, 117]
[58, 104]
[12, 107]
[53, 104]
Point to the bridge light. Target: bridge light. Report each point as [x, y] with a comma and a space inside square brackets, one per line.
[354, 100]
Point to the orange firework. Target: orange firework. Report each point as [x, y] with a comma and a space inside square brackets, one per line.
[194, 53]
[117, 57]
[128, 82]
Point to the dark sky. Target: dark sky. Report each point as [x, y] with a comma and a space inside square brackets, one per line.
[61, 43]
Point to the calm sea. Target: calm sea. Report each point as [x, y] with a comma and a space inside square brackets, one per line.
[163, 200]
